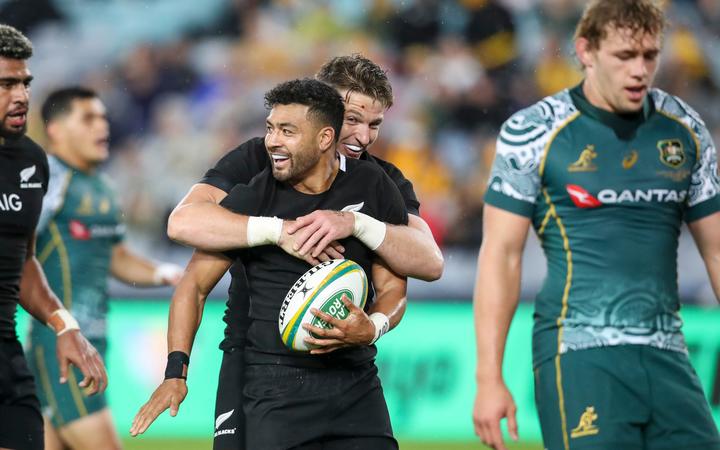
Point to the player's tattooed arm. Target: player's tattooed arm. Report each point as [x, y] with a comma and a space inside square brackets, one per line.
[495, 298]
[706, 232]
[38, 299]
[359, 328]
[201, 275]
[410, 251]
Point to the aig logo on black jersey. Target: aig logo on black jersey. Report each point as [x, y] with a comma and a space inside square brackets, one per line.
[10, 202]
[25, 176]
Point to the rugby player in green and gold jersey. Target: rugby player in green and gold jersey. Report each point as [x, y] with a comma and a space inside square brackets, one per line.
[605, 172]
[80, 242]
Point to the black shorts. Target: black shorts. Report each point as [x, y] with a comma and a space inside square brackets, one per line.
[229, 415]
[21, 424]
[303, 408]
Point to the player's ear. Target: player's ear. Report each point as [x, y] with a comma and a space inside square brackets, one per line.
[583, 52]
[326, 138]
[52, 130]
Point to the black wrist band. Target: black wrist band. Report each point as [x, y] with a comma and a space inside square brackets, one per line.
[176, 363]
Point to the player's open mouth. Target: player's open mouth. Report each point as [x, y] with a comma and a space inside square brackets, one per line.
[17, 119]
[636, 93]
[353, 151]
[280, 160]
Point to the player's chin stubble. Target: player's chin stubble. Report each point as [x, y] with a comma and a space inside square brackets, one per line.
[8, 133]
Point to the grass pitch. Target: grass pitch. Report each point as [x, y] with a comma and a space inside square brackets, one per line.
[194, 444]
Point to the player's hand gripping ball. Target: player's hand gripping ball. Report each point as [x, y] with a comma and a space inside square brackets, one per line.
[321, 287]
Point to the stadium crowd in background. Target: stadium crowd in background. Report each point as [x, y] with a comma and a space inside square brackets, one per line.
[182, 97]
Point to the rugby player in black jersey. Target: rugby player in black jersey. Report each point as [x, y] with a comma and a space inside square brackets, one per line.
[199, 221]
[23, 183]
[332, 399]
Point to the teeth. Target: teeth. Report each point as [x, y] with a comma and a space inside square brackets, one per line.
[279, 157]
[355, 148]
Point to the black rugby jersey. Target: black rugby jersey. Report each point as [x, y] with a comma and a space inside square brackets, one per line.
[271, 272]
[23, 181]
[239, 166]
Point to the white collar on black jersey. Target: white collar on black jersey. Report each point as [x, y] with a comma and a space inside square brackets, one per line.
[343, 160]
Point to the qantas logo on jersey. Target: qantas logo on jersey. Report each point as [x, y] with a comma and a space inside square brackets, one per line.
[583, 199]
[25, 176]
[82, 232]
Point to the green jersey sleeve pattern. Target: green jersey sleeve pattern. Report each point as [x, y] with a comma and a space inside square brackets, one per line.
[515, 179]
[703, 194]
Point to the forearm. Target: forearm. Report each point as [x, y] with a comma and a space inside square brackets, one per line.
[202, 273]
[186, 310]
[411, 251]
[207, 226]
[713, 268]
[706, 232]
[36, 297]
[131, 268]
[392, 303]
[495, 299]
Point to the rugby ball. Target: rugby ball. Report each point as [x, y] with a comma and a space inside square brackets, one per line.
[321, 287]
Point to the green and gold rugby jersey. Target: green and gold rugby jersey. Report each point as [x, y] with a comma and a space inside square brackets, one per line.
[606, 195]
[79, 225]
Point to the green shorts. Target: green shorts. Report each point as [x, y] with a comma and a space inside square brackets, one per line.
[61, 403]
[629, 397]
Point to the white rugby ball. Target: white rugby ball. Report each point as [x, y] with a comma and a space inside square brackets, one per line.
[321, 287]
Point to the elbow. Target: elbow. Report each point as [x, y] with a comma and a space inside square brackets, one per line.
[437, 266]
[178, 230]
[433, 268]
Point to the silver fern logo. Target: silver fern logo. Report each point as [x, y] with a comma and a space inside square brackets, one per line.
[25, 176]
[356, 207]
[220, 420]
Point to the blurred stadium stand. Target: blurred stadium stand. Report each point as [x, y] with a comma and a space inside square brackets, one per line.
[183, 81]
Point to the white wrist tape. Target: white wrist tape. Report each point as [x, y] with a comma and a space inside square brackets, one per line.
[165, 272]
[61, 321]
[382, 325]
[369, 231]
[263, 230]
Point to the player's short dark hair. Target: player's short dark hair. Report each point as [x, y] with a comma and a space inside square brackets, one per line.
[325, 105]
[59, 102]
[356, 73]
[636, 15]
[14, 44]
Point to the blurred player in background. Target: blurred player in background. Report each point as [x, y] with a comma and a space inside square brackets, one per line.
[80, 242]
[199, 221]
[23, 182]
[606, 172]
[331, 400]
